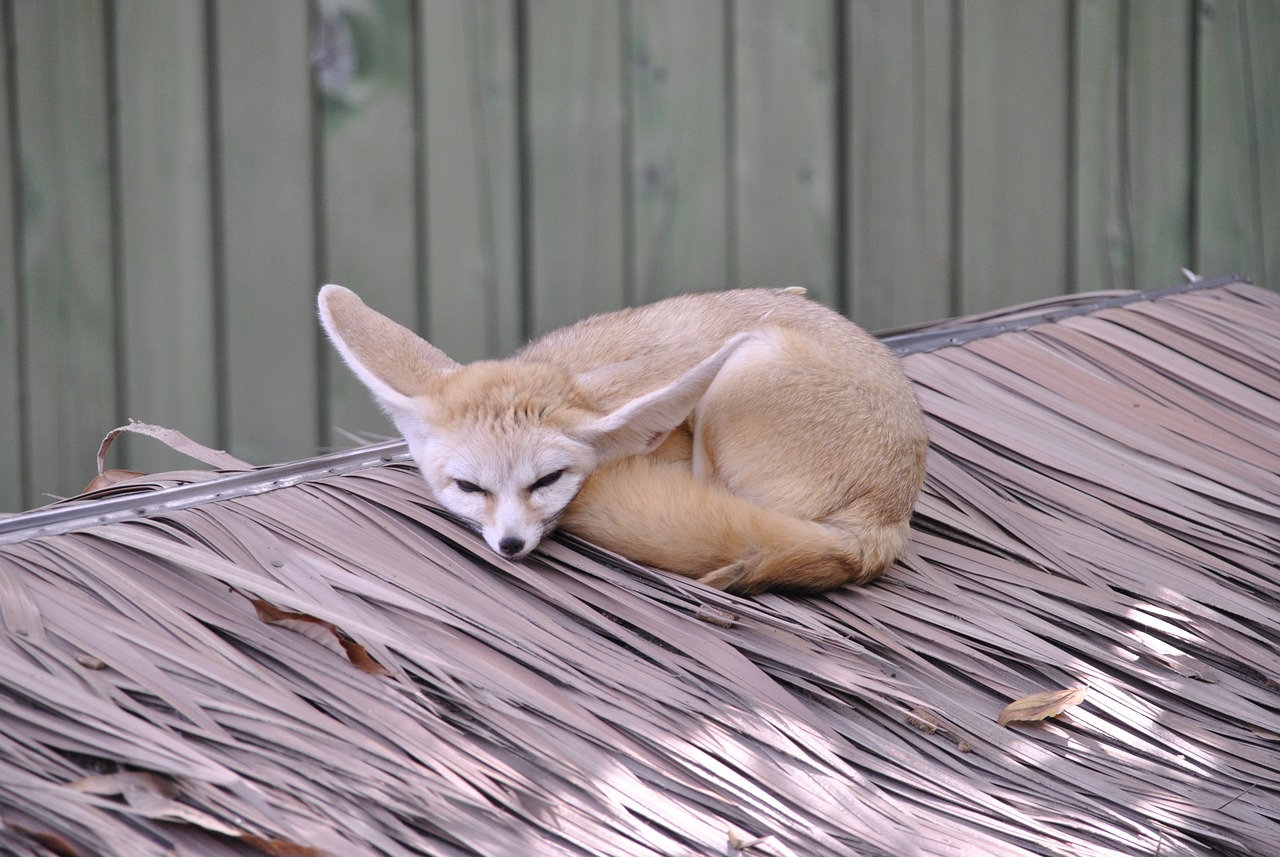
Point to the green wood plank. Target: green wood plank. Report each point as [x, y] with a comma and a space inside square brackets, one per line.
[1159, 131]
[899, 162]
[1104, 242]
[169, 357]
[472, 231]
[1238, 137]
[1133, 150]
[679, 179]
[265, 141]
[784, 144]
[576, 181]
[66, 238]
[1013, 141]
[365, 74]
[13, 447]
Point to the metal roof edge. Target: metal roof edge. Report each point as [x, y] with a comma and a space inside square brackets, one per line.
[80, 514]
[931, 338]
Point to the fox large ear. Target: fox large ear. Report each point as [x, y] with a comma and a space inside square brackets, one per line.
[641, 424]
[392, 361]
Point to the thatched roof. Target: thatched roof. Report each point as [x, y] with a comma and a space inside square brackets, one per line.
[312, 659]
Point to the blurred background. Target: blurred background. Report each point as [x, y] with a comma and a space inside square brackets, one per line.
[177, 177]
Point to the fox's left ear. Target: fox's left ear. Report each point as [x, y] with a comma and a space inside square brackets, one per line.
[640, 425]
[392, 361]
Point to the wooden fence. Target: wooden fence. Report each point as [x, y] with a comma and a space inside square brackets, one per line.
[178, 176]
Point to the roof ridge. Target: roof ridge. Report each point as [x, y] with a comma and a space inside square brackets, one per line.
[951, 332]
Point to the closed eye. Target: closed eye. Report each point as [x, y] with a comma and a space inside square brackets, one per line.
[549, 479]
[469, 487]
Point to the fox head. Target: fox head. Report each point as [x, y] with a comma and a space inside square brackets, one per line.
[505, 444]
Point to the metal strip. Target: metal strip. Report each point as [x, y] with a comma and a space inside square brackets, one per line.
[78, 515]
[931, 340]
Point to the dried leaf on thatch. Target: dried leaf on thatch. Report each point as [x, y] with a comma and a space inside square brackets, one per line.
[1038, 706]
[1102, 508]
[175, 440]
[325, 633]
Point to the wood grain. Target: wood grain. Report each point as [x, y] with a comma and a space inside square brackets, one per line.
[70, 380]
[1238, 137]
[899, 153]
[14, 483]
[170, 360]
[1133, 150]
[472, 235]
[679, 163]
[575, 119]
[1013, 205]
[784, 144]
[264, 129]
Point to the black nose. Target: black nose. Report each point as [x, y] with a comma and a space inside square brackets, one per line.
[510, 546]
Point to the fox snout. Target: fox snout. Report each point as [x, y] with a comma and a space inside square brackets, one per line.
[511, 546]
[512, 528]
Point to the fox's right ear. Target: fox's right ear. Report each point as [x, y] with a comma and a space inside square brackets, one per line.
[637, 427]
[393, 362]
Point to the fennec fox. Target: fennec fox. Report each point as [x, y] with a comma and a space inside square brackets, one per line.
[752, 439]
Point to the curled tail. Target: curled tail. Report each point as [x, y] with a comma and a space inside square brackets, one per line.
[657, 513]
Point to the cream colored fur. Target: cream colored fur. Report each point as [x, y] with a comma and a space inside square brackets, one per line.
[752, 439]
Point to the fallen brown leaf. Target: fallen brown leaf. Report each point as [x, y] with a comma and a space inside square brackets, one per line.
[1038, 706]
[280, 847]
[325, 633]
[52, 842]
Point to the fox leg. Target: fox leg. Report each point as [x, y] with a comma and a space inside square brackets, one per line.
[819, 560]
[657, 513]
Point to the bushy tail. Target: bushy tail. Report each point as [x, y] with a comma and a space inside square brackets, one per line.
[655, 512]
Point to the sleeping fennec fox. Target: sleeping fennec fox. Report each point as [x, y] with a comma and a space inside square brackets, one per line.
[753, 439]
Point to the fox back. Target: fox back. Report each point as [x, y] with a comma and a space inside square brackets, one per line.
[752, 439]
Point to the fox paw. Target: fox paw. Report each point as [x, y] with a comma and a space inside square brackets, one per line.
[732, 577]
[788, 573]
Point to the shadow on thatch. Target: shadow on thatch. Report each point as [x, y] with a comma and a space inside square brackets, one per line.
[304, 662]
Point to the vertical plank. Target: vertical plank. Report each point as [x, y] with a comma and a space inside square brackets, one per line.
[1238, 136]
[899, 162]
[65, 209]
[1133, 147]
[577, 176]
[784, 144]
[13, 480]
[1014, 169]
[264, 130]
[364, 71]
[169, 359]
[474, 307]
[679, 176]
[1103, 247]
[1159, 131]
